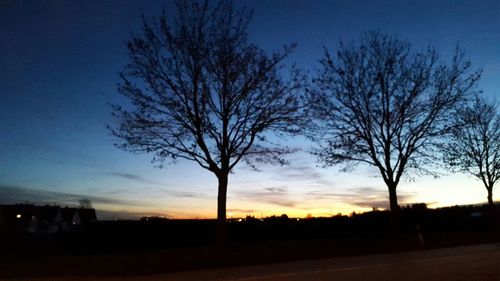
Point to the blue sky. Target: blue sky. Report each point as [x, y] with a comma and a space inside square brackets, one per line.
[59, 69]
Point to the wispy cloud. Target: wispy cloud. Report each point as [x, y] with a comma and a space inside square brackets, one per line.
[246, 211]
[365, 197]
[15, 194]
[299, 172]
[185, 194]
[277, 195]
[126, 215]
[19, 195]
[132, 177]
[275, 189]
[301, 169]
[284, 202]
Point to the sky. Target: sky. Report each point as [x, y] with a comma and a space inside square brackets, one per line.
[59, 65]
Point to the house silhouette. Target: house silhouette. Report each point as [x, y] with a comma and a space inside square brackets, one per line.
[44, 219]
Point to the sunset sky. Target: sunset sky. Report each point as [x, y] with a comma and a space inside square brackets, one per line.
[59, 70]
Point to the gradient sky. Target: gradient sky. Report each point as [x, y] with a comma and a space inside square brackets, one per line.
[59, 64]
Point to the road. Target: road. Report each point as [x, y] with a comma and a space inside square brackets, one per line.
[478, 262]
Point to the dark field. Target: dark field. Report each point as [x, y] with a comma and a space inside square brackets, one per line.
[125, 248]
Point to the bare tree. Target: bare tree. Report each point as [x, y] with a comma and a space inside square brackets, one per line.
[85, 203]
[200, 91]
[382, 104]
[475, 144]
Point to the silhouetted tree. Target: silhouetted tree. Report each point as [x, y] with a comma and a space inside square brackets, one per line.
[85, 203]
[383, 104]
[200, 91]
[475, 144]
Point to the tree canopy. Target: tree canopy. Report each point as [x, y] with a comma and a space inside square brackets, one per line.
[474, 146]
[383, 104]
[200, 91]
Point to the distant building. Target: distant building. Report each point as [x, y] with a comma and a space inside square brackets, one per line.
[44, 219]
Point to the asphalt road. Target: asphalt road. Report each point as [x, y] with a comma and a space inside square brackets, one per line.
[478, 262]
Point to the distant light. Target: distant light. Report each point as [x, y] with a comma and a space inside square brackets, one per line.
[240, 220]
[298, 219]
[18, 216]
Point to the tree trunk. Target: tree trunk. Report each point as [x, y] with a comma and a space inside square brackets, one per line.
[221, 209]
[395, 211]
[393, 199]
[222, 198]
[490, 196]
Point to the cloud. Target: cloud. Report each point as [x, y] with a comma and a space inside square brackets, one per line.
[301, 168]
[21, 195]
[303, 173]
[278, 195]
[281, 189]
[284, 202]
[365, 197]
[247, 211]
[125, 215]
[185, 194]
[133, 177]
[15, 194]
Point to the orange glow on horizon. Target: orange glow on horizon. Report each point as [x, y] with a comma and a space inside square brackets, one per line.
[436, 193]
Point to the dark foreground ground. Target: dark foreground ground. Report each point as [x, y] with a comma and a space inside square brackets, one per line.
[145, 250]
[478, 262]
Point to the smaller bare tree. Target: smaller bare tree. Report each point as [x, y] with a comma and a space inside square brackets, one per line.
[474, 146]
[382, 104]
[85, 203]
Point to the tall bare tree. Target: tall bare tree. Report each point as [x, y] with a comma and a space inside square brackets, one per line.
[475, 144]
[200, 91]
[383, 104]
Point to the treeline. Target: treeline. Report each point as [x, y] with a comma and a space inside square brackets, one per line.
[420, 227]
